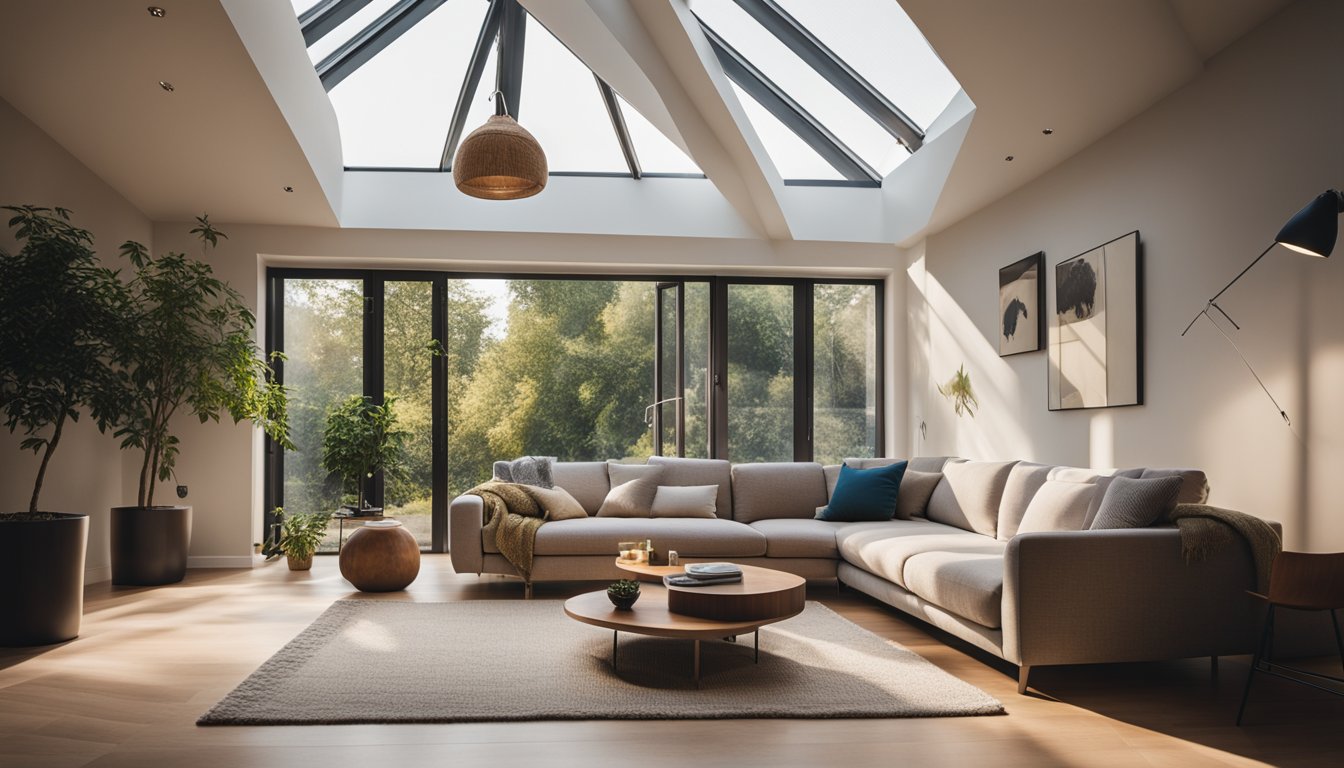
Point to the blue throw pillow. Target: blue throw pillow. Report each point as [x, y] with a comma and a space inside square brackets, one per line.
[863, 495]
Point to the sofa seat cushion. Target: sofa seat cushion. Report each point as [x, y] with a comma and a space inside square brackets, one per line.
[800, 538]
[690, 537]
[969, 584]
[882, 548]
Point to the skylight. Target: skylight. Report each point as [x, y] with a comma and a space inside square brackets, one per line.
[410, 78]
[835, 90]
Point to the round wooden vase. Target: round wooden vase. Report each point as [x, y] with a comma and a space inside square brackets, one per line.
[380, 556]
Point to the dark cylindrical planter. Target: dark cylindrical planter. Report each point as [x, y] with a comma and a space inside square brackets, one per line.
[149, 545]
[42, 568]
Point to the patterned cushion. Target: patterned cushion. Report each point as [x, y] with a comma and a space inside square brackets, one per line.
[528, 470]
[1132, 503]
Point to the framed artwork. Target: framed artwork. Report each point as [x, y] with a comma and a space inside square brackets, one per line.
[1022, 306]
[1096, 328]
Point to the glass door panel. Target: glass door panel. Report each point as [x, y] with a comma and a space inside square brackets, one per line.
[667, 367]
[760, 373]
[695, 380]
[408, 332]
[844, 372]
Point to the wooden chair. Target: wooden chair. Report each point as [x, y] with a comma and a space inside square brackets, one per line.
[1302, 582]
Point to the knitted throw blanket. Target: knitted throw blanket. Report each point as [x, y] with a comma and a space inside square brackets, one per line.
[1205, 530]
[512, 518]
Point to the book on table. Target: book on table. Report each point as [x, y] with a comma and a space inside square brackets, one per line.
[682, 580]
[713, 570]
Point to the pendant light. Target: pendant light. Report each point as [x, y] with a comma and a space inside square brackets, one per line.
[500, 160]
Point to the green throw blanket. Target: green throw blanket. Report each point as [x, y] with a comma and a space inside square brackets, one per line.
[512, 519]
[1205, 530]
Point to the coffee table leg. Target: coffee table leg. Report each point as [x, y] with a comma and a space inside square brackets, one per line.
[758, 646]
[697, 663]
[614, 633]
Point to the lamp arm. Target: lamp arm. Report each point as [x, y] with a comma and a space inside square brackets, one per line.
[1216, 296]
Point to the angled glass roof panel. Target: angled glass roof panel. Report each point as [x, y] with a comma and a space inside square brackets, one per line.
[348, 29]
[302, 6]
[850, 124]
[656, 152]
[562, 107]
[884, 46]
[394, 111]
[793, 158]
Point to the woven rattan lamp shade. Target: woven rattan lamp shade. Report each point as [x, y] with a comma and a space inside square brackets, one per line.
[500, 161]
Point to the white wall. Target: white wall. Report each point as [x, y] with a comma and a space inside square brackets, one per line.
[1207, 176]
[85, 472]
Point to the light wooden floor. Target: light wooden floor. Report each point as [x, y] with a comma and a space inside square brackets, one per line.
[149, 661]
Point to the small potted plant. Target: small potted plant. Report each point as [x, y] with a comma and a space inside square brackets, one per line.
[623, 594]
[300, 536]
[363, 438]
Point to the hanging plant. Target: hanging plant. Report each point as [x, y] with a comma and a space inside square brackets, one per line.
[958, 390]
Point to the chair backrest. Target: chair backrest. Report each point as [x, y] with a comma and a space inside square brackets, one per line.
[1307, 581]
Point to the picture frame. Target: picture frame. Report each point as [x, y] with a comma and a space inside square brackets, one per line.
[1022, 306]
[1096, 328]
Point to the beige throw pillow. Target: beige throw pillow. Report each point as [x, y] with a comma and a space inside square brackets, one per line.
[685, 501]
[1059, 505]
[916, 490]
[557, 503]
[633, 487]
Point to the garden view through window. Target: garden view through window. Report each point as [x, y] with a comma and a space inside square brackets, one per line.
[579, 369]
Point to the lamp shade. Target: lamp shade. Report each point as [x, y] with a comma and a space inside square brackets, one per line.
[500, 161]
[1313, 229]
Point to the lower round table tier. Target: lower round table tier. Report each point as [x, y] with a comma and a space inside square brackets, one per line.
[763, 593]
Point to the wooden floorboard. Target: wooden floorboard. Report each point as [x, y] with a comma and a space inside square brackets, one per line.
[150, 661]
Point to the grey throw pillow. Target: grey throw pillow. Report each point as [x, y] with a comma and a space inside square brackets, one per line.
[1130, 503]
[633, 487]
[528, 470]
[916, 489]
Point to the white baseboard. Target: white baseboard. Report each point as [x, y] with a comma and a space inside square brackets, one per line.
[97, 574]
[220, 561]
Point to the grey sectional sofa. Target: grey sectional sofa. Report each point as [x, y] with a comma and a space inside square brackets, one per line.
[1047, 597]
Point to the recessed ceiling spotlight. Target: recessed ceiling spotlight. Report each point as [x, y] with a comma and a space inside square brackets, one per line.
[156, 11]
[1008, 159]
[167, 86]
[289, 189]
[1048, 131]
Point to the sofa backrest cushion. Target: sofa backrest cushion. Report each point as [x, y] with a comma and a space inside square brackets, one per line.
[916, 490]
[1059, 505]
[969, 494]
[928, 463]
[1026, 479]
[586, 481]
[679, 471]
[777, 490]
[633, 487]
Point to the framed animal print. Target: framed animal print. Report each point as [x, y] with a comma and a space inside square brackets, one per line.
[1096, 328]
[1022, 306]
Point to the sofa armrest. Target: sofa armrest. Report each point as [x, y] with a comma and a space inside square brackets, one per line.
[466, 517]
[1080, 597]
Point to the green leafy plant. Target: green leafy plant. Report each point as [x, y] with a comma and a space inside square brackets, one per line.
[187, 344]
[56, 308]
[302, 533]
[958, 390]
[624, 588]
[362, 438]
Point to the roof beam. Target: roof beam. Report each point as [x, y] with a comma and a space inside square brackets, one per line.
[327, 15]
[836, 72]
[789, 112]
[512, 37]
[471, 82]
[371, 40]
[618, 125]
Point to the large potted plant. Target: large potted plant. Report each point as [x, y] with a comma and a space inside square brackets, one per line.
[362, 438]
[187, 348]
[56, 303]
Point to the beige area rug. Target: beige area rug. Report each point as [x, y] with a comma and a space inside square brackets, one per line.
[369, 661]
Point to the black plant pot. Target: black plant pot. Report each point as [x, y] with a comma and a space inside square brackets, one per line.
[623, 602]
[149, 545]
[42, 568]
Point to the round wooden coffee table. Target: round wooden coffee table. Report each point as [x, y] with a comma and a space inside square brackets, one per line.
[719, 611]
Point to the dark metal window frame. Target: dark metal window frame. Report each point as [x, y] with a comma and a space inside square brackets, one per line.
[374, 280]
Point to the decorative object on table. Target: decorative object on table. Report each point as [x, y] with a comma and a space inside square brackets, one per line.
[818, 665]
[361, 439]
[1311, 231]
[380, 556]
[623, 594]
[673, 558]
[632, 552]
[300, 536]
[55, 305]
[1096, 330]
[958, 390]
[1022, 306]
[1303, 582]
[500, 160]
[184, 347]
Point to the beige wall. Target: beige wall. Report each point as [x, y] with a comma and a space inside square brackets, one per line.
[1207, 176]
[85, 471]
